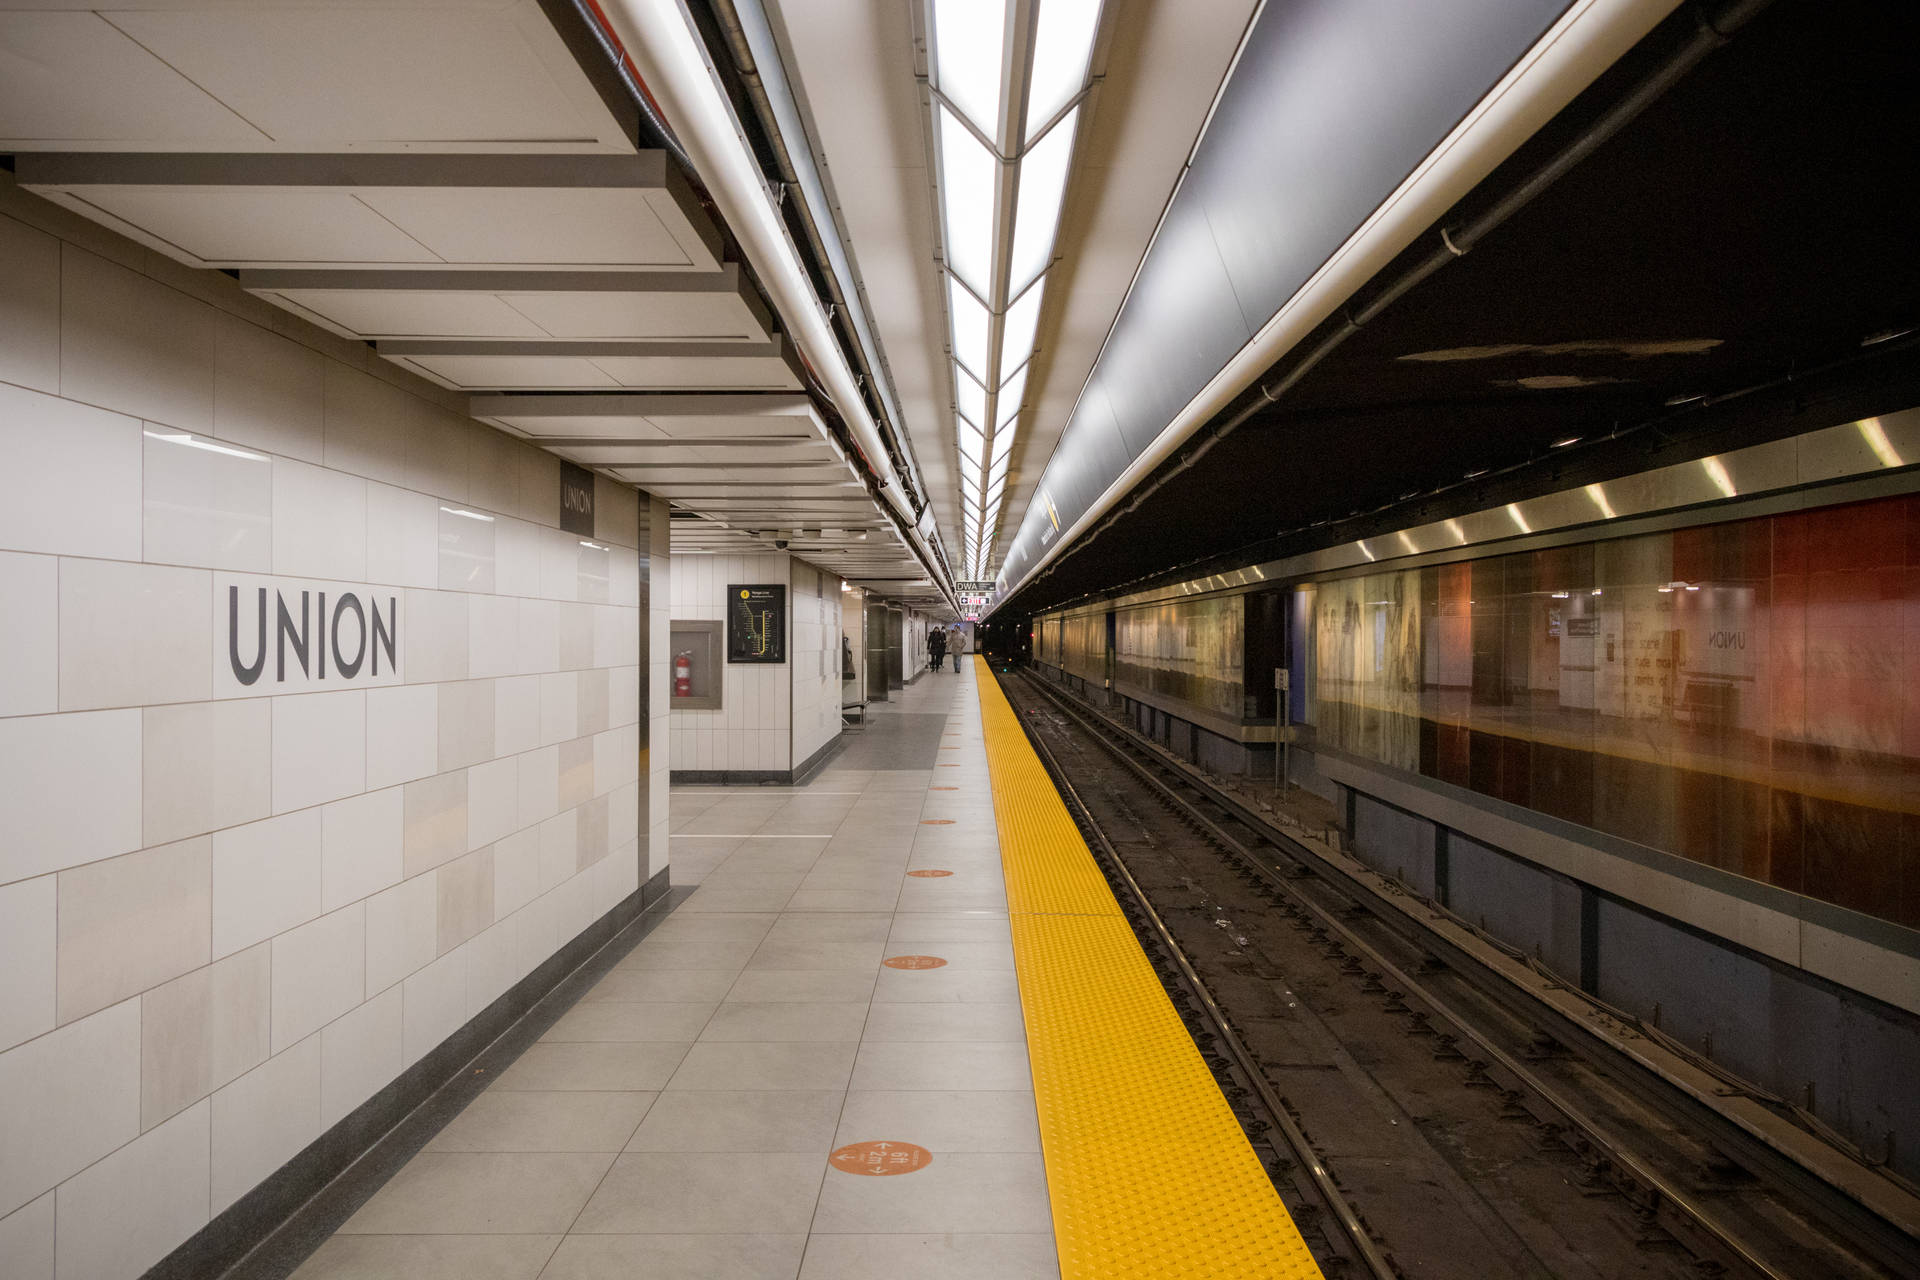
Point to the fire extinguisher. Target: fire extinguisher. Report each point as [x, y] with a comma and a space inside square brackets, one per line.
[683, 675]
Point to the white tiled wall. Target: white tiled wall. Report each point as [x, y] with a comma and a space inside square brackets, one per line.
[227, 921]
[771, 716]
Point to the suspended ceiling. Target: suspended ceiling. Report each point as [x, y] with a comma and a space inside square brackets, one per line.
[450, 184]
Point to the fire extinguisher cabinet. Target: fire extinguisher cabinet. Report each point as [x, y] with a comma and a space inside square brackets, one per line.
[695, 661]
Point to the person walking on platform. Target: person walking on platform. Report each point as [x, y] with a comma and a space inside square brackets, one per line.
[937, 646]
[957, 645]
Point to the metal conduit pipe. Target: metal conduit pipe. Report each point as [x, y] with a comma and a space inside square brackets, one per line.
[1590, 37]
[673, 70]
[1710, 33]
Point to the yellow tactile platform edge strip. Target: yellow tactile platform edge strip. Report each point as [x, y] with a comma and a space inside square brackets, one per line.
[1148, 1172]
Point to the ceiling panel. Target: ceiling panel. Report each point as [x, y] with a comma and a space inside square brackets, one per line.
[544, 225]
[398, 313]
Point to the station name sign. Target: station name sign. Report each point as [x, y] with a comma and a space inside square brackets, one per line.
[288, 635]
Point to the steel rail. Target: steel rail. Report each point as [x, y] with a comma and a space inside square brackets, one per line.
[1358, 1240]
[1696, 1223]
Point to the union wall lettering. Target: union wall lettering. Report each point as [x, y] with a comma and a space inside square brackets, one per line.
[289, 635]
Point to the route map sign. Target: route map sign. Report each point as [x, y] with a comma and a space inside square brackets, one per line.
[756, 622]
[974, 599]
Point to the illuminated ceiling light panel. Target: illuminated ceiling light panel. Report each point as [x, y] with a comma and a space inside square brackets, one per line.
[972, 397]
[969, 472]
[1009, 84]
[967, 198]
[1043, 183]
[1062, 43]
[970, 323]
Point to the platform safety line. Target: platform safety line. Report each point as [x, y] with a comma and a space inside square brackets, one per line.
[1148, 1172]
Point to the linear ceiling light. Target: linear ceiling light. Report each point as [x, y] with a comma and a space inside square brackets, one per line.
[1009, 83]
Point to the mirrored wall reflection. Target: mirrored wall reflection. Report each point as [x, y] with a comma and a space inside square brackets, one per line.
[1745, 695]
[1191, 651]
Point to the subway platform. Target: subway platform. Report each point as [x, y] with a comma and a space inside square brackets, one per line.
[898, 1027]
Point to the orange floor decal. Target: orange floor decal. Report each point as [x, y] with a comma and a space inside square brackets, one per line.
[881, 1159]
[914, 962]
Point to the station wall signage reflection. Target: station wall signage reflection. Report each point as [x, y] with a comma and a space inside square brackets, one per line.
[290, 635]
[756, 622]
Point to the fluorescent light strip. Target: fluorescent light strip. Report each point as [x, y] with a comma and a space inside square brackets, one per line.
[967, 199]
[1062, 42]
[1002, 446]
[1043, 183]
[969, 329]
[1010, 392]
[971, 396]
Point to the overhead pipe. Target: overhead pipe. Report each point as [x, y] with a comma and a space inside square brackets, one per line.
[673, 69]
[1590, 37]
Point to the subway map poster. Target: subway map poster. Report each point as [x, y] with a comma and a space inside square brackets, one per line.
[756, 622]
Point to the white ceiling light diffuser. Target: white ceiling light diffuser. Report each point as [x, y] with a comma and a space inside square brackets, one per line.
[1008, 80]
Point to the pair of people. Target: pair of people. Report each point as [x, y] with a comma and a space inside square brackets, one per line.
[942, 641]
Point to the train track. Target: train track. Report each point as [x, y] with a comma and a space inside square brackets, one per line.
[1519, 1149]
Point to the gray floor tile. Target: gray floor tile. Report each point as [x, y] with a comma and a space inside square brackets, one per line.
[751, 1065]
[436, 1257]
[662, 986]
[951, 926]
[974, 1064]
[989, 986]
[460, 1193]
[807, 953]
[968, 955]
[616, 1066]
[943, 1021]
[689, 953]
[832, 926]
[739, 1020]
[958, 1191]
[806, 986]
[742, 1120]
[955, 893]
[776, 856]
[839, 899]
[700, 1193]
[941, 1119]
[510, 1120]
[660, 1257]
[735, 897]
[612, 1020]
[930, 1257]
[715, 925]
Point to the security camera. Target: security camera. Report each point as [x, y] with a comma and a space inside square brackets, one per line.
[780, 544]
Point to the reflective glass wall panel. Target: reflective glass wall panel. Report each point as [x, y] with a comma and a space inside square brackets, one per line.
[1745, 695]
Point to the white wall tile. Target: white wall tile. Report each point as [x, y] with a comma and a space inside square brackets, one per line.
[559, 845]
[319, 523]
[360, 846]
[539, 639]
[493, 965]
[72, 480]
[403, 534]
[559, 565]
[27, 936]
[400, 931]
[403, 733]
[133, 922]
[493, 629]
[559, 707]
[539, 487]
[493, 472]
[436, 638]
[434, 1004]
[516, 873]
[134, 634]
[203, 1029]
[29, 632]
[266, 879]
[26, 1241]
[623, 695]
[516, 547]
[516, 715]
[206, 765]
[466, 560]
[368, 423]
[263, 1119]
[539, 785]
[267, 390]
[464, 898]
[437, 452]
[133, 344]
[29, 307]
[319, 973]
[436, 818]
[319, 748]
[121, 1215]
[493, 801]
[466, 729]
[206, 503]
[69, 790]
[66, 1099]
[595, 570]
[359, 1055]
